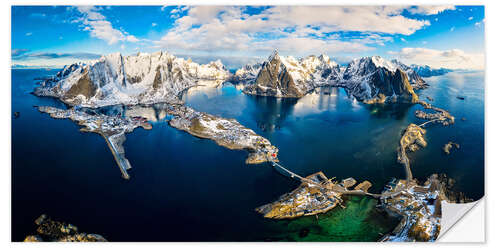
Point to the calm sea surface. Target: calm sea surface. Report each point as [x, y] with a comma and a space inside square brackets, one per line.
[183, 188]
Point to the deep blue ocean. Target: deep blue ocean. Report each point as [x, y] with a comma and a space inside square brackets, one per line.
[183, 188]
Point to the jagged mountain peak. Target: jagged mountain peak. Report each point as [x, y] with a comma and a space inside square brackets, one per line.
[288, 76]
[218, 64]
[274, 56]
[140, 78]
[379, 62]
[324, 57]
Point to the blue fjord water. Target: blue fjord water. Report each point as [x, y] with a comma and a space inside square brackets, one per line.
[183, 188]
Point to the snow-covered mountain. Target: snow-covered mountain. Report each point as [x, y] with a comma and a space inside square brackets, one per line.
[368, 79]
[141, 78]
[161, 77]
[288, 77]
[414, 78]
[426, 71]
[247, 74]
[373, 79]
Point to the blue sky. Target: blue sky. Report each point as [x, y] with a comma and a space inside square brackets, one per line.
[440, 36]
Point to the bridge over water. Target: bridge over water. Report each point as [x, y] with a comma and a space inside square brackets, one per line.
[336, 188]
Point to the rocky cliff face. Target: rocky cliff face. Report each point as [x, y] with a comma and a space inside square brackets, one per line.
[414, 78]
[368, 79]
[117, 79]
[372, 79]
[161, 77]
[56, 231]
[289, 77]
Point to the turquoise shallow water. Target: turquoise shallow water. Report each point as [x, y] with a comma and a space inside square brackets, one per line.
[359, 221]
[184, 188]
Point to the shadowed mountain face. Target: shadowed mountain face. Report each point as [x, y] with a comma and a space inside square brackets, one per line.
[289, 77]
[273, 79]
[83, 87]
[371, 79]
[414, 77]
[390, 86]
[161, 77]
[142, 78]
[368, 79]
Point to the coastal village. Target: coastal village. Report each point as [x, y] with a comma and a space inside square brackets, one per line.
[228, 133]
[417, 204]
[111, 128]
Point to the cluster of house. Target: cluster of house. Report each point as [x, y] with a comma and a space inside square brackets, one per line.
[419, 206]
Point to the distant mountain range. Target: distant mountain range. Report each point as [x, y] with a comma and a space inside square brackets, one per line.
[21, 66]
[426, 71]
[161, 77]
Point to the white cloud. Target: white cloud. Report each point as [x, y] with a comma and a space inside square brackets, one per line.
[293, 44]
[372, 39]
[430, 9]
[384, 19]
[175, 13]
[478, 24]
[209, 28]
[132, 39]
[453, 59]
[99, 27]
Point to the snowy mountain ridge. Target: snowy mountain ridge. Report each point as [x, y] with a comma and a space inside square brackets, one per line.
[141, 78]
[427, 71]
[161, 77]
[290, 77]
[373, 79]
[247, 73]
[365, 78]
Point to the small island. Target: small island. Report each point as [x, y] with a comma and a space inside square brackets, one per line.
[228, 133]
[417, 204]
[50, 230]
[448, 146]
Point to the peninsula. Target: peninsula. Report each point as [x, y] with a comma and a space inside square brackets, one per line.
[146, 79]
[418, 205]
[160, 78]
[228, 133]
